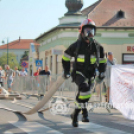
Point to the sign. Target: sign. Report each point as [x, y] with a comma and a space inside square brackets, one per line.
[122, 89]
[57, 52]
[39, 63]
[130, 48]
[24, 64]
[128, 57]
[32, 47]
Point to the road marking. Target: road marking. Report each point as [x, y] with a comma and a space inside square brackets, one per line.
[99, 129]
[34, 127]
[125, 123]
[8, 132]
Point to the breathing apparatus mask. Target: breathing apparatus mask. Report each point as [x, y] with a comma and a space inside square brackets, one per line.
[88, 33]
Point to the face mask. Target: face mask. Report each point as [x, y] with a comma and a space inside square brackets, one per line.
[89, 33]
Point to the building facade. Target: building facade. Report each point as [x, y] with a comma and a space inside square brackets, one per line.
[115, 27]
[55, 41]
[18, 47]
[115, 31]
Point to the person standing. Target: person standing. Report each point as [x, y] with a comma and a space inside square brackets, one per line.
[37, 78]
[9, 74]
[17, 72]
[89, 55]
[2, 76]
[110, 62]
[23, 72]
[37, 72]
[47, 73]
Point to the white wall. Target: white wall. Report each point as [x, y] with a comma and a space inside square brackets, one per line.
[17, 52]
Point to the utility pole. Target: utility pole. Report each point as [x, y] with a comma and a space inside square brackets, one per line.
[7, 51]
[7, 48]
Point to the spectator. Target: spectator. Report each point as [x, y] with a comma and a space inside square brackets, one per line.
[46, 72]
[17, 72]
[9, 74]
[37, 72]
[110, 61]
[23, 72]
[37, 78]
[2, 76]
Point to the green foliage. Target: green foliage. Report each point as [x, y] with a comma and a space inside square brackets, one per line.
[26, 53]
[12, 60]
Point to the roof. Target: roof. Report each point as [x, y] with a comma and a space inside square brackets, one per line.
[87, 10]
[19, 44]
[106, 13]
[75, 26]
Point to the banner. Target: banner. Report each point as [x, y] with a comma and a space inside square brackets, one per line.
[122, 89]
[32, 47]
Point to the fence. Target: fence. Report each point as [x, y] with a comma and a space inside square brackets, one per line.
[39, 85]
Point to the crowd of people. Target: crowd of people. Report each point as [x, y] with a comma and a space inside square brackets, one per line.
[8, 74]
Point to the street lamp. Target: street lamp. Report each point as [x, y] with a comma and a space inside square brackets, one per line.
[7, 48]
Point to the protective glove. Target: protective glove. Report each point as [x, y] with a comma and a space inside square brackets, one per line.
[66, 74]
[99, 79]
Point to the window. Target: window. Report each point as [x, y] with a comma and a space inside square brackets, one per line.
[120, 14]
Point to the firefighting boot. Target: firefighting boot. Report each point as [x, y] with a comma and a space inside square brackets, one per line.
[85, 115]
[74, 117]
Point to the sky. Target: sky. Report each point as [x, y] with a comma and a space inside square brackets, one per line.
[30, 18]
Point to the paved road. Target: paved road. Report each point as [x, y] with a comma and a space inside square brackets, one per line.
[100, 122]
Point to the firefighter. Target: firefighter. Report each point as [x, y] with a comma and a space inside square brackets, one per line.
[89, 55]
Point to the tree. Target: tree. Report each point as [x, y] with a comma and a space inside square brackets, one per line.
[12, 60]
[26, 53]
[24, 57]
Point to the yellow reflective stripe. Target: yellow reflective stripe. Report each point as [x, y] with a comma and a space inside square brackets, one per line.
[93, 60]
[77, 104]
[80, 60]
[85, 97]
[103, 61]
[77, 72]
[65, 58]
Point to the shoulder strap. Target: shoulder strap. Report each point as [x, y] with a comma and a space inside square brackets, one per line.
[110, 62]
[76, 53]
[77, 48]
[97, 51]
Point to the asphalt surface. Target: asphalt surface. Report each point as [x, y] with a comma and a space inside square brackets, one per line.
[101, 122]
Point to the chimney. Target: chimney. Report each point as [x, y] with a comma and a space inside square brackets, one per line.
[19, 38]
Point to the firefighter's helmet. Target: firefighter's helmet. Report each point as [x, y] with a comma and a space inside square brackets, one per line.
[87, 23]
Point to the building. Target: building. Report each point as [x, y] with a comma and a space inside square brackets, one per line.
[115, 31]
[115, 27]
[55, 41]
[18, 47]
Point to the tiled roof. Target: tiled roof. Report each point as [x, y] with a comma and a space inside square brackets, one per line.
[106, 12]
[19, 44]
[90, 8]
